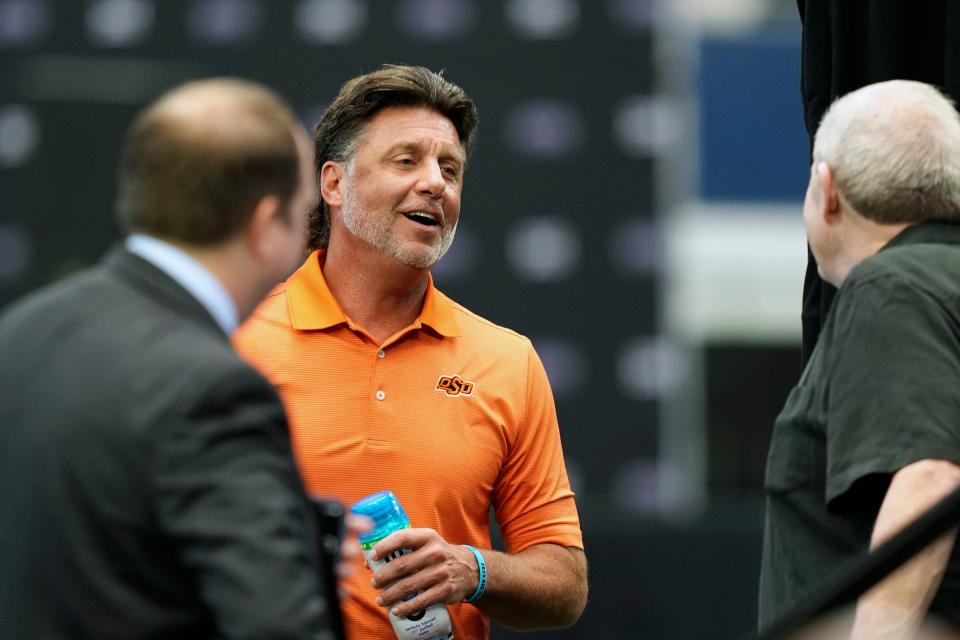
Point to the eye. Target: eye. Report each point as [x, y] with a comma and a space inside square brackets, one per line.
[450, 171]
[405, 161]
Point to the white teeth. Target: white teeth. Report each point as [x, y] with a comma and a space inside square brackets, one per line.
[422, 216]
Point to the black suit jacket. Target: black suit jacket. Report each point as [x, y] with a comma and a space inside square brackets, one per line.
[147, 488]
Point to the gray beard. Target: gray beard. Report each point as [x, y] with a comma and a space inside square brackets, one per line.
[369, 227]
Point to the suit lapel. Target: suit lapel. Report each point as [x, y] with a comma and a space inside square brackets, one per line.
[156, 284]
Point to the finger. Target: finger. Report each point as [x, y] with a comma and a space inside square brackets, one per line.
[350, 557]
[427, 557]
[435, 555]
[423, 600]
[396, 569]
[404, 539]
[442, 581]
[345, 570]
[350, 550]
[357, 524]
[393, 593]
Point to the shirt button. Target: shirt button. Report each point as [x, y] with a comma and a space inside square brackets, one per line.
[381, 395]
[381, 354]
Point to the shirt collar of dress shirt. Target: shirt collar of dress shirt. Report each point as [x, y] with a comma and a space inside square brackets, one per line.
[189, 274]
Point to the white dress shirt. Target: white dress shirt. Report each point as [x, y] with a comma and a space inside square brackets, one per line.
[189, 274]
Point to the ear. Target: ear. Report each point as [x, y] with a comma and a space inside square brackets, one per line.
[261, 229]
[827, 199]
[330, 182]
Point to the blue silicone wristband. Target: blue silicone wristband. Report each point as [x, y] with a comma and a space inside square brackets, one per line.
[482, 582]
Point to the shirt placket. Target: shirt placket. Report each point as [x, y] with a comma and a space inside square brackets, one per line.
[383, 390]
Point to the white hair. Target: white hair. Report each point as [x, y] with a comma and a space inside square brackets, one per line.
[894, 148]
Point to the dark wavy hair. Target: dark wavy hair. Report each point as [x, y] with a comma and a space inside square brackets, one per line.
[359, 100]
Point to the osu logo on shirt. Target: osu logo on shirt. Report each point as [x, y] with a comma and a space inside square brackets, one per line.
[454, 386]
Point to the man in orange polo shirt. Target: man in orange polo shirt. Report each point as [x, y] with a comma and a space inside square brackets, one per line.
[389, 384]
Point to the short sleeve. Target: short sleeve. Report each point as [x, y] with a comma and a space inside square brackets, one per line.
[533, 501]
[894, 389]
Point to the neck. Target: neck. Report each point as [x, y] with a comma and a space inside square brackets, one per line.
[229, 264]
[864, 239]
[376, 291]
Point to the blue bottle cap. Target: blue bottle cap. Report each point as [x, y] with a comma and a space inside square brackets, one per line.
[385, 511]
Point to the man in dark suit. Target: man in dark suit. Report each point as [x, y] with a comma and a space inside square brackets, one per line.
[147, 488]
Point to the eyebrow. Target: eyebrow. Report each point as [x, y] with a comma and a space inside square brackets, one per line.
[413, 147]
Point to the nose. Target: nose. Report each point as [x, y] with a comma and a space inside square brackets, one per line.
[431, 181]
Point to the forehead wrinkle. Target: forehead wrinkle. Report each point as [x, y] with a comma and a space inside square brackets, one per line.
[403, 145]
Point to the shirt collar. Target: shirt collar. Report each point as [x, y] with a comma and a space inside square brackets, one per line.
[312, 305]
[926, 233]
[189, 274]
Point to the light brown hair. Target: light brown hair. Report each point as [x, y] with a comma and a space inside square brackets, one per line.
[197, 161]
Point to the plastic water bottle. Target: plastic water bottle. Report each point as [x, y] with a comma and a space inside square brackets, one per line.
[433, 623]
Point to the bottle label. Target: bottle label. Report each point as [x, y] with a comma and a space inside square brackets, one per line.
[432, 623]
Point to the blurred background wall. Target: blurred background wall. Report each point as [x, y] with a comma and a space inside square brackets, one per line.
[633, 206]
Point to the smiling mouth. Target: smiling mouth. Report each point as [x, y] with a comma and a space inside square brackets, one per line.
[420, 217]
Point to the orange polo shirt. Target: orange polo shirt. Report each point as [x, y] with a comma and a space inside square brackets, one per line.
[453, 414]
